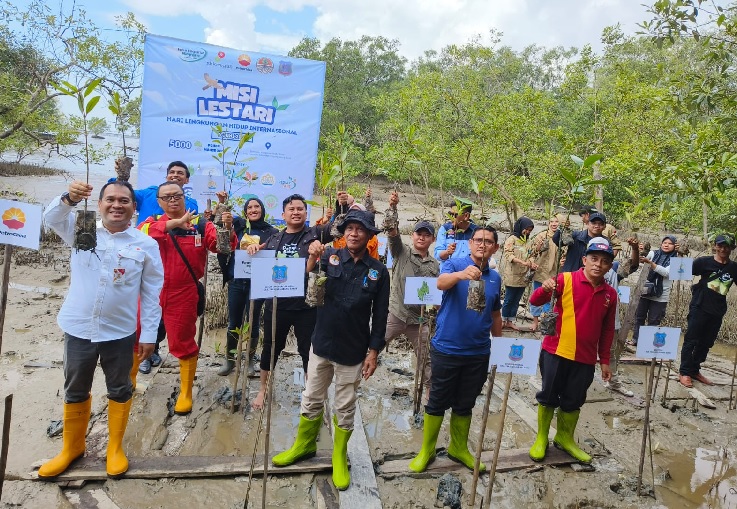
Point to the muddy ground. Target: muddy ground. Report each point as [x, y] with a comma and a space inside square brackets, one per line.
[693, 447]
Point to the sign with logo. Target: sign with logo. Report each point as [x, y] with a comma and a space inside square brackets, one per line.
[21, 224]
[680, 269]
[277, 277]
[422, 290]
[515, 355]
[199, 100]
[242, 267]
[204, 187]
[624, 294]
[382, 244]
[658, 342]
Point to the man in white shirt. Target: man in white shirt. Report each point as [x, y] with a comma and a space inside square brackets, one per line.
[98, 316]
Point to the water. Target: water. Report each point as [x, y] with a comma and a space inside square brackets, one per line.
[706, 477]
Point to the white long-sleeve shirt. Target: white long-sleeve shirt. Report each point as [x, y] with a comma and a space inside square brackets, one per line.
[102, 301]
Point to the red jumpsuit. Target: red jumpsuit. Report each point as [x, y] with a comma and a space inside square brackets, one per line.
[179, 294]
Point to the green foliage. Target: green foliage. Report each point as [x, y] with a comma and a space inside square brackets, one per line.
[234, 169]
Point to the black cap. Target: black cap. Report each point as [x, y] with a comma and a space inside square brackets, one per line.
[365, 219]
[597, 216]
[424, 225]
[724, 238]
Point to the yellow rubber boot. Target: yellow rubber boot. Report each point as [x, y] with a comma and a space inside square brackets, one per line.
[134, 369]
[187, 368]
[76, 419]
[117, 420]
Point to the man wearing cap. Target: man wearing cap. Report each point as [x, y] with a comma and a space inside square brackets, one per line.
[581, 238]
[348, 336]
[609, 231]
[410, 261]
[584, 330]
[460, 349]
[453, 236]
[707, 309]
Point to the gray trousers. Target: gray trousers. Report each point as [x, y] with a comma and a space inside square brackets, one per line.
[80, 361]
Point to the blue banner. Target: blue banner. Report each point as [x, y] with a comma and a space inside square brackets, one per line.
[198, 99]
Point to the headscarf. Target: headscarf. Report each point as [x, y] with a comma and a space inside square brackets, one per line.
[521, 225]
[259, 224]
[661, 257]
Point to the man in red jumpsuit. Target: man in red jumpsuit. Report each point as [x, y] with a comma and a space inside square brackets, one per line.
[178, 226]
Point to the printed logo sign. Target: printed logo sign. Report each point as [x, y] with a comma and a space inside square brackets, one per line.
[658, 342]
[515, 355]
[277, 277]
[242, 267]
[422, 290]
[21, 224]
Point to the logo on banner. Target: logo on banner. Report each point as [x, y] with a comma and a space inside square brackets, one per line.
[270, 201]
[268, 180]
[516, 353]
[285, 68]
[191, 54]
[423, 291]
[221, 55]
[279, 274]
[14, 218]
[244, 60]
[264, 65]
[289, 183]
[659, 339]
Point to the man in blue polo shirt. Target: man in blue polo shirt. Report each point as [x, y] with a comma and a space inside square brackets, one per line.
[147, 203]
[459, 353]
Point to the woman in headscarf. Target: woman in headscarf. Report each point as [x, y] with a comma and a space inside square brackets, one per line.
[252, 228]
[652, 305]
[516, 263]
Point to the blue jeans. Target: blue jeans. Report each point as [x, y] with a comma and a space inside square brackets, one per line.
[539, 310]
[512, 296]
[239, 294]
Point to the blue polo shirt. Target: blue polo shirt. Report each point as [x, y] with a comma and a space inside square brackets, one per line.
[147, 204]
[461, 331]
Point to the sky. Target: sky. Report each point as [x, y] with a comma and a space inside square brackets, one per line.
[277, 26]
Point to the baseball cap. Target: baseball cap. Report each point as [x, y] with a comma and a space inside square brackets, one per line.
[724, 238]
[424, 225]
[599, 245]
[597, 216]
[587, 209]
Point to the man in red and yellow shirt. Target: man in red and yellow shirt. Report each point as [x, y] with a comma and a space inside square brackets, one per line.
[584, 331]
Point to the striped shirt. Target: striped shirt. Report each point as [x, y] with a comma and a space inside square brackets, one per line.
[585, 326]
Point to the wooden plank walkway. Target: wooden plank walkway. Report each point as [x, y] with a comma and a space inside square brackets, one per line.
[158, 467]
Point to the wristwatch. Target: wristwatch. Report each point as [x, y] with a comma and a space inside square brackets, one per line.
[66, 199]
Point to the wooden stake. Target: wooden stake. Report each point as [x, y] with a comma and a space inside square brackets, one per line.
[646, 429]
[731, 389]
[419, 367]
[4, 292]
[6, 436]
[480, 444]
[657, 380]
[498, 445]
[204, 283]
[269, 396]
[245, 387]
[667, 379]
[238, 357]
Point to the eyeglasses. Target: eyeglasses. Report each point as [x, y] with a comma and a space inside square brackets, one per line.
[171, 197]
[486, 242]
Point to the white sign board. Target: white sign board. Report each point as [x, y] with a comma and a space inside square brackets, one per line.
[680, 269]
[277, 277]
[242, 268]
[20, 224]
[515, 355]
[204, 188]
[624, 294]
[422, 290]
[658, 342]
[382, 244]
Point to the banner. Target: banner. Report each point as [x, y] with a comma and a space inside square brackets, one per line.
[191, 90]
[20, 224]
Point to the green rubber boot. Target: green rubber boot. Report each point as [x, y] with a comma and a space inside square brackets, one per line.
[341, 476]
[540, 447]
[458, 447]
[564, 437]
[430, 431]
[305, 445]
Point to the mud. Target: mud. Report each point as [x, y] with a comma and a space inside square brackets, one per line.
[693, 447]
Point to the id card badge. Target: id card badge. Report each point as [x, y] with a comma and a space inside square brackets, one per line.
[198, 240]
[118, 275]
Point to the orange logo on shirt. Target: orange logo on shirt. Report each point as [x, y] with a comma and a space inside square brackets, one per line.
[14, 218]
